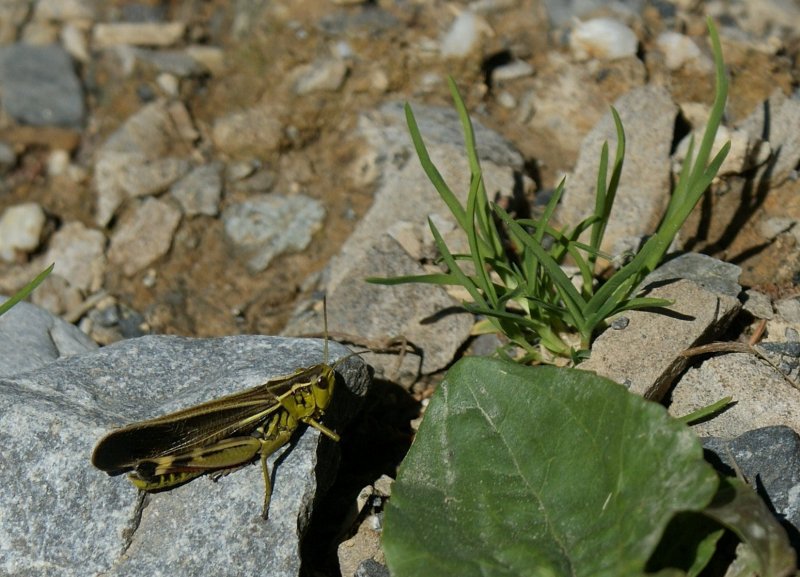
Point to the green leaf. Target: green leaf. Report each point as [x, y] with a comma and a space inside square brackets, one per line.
[539, 471]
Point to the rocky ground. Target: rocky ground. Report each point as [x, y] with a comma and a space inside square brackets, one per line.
[190, 166]
[197, 167]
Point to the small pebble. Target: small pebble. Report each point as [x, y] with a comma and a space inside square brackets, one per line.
[603, 39]
[320, 76]
[678, 49]
[512, 71]
[463, 35]
[20, 230]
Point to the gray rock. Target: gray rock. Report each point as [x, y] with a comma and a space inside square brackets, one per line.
[145, 138]
[512, 71]
[758, 304]
[769, 458]
[763, 396]
[267, 225]
[432, 323]
[405, 193]
[79, 254]
[679, 50]
[31, 338]
[176, 62]
[775, 121]
[562, 13]
[463, 35]
[371, 568]
[40, 86]
[145, 236]
[51, 418]
[645, 355]
[199, 192]
[648, 116]
[566, 101]
[706, 271]
[746, 151]
[153, 176]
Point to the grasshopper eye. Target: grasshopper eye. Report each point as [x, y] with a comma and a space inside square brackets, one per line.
[322, 383]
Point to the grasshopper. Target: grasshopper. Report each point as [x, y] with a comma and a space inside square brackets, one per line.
[221, 435]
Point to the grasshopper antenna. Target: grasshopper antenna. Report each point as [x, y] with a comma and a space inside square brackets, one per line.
[325, 328]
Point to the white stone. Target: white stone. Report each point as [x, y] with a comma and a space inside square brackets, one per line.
[20, 229]
[463, 35]
[169, 83]
[678, 49]
[57, 162]
[325, 75]
[74, 41]
[604, 39]
[511, 71]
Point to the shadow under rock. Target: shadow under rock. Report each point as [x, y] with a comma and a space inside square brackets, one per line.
[373, 444]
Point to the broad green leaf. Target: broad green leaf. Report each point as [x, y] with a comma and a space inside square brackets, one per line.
[539, 471]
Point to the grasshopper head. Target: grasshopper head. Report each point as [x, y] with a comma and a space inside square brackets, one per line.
[322, 388]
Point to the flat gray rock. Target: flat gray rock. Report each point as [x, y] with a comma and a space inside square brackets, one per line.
[93, 524]
[40, 86]
[31, 338]
[761, 393]
[708, 272]
[138, 157]
[648, 117]
[769, 458]
[267, 225]
[644, 353]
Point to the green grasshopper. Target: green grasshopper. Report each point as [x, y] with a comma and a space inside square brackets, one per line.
[222, 435]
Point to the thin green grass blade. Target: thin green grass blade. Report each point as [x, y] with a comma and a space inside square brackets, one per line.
[486, 225]
[609, 194]
[641, 303]
[704, 413]
[718, 107]
[434, 278]
[478, 258]
[432, 172]
[26, 290]
[453, 268]
[573, 301]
